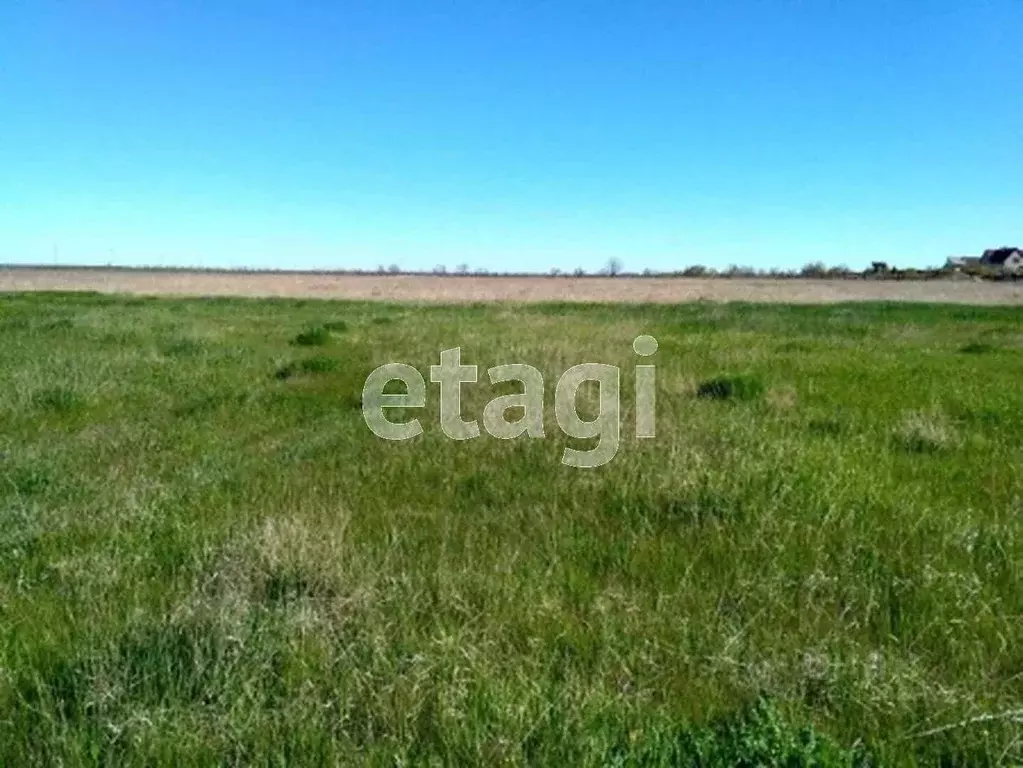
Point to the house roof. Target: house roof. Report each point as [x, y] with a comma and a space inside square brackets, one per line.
[999, 255]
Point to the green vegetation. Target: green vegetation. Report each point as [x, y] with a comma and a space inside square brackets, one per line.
[311, 365]
[732, 387]
[205, 561]
[976, 348]
[317, 336]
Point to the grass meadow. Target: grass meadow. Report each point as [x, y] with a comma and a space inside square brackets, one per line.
[206, 557]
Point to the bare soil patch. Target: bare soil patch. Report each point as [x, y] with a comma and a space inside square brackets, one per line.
[460, 289]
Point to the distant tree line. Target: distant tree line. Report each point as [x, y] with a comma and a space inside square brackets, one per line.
[814, 270]
[615, 268]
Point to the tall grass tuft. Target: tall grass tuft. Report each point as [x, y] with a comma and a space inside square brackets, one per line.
[742, 387]
[316, 336]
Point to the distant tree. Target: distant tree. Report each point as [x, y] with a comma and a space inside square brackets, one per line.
[579, 272]
[734, 270]
[555, 271]
[440, 269]
[840, 271]
[814, 269]
[648, 272]
[394, 269]
[695, 270]
[613, 267]
[463, 269]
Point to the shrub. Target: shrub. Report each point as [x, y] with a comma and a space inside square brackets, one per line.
[981, 271]
[760, 734]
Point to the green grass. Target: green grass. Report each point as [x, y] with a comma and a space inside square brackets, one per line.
[310, 365]
[740, 387]
[205, 561]
[317, 336]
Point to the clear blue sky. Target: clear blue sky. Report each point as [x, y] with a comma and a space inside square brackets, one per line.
[524, 134]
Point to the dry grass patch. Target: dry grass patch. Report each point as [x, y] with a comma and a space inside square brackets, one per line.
[782, 398]
[925, 432]
[284, 565]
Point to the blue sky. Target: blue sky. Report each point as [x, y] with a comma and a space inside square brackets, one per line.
[509, 135]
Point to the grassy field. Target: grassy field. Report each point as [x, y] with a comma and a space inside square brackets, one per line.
[206, 556]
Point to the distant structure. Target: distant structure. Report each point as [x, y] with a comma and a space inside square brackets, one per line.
[1006, 258]
[959, 263]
